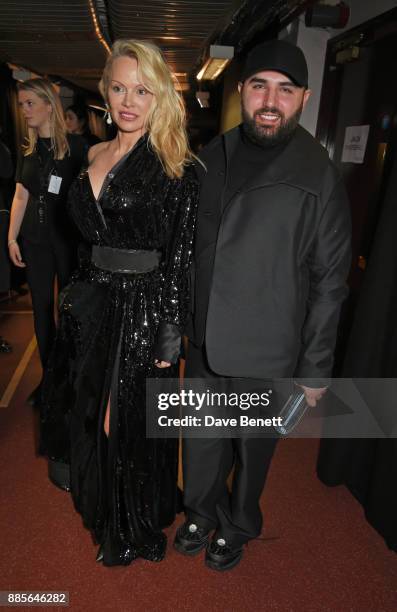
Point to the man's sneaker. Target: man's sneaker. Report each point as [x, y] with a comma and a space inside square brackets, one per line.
[190, 538]
[221, 557]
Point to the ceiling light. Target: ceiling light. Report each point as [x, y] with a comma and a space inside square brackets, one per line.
[170, 38]
[97, 107]
[219, 57]
[180, 81]
[21, 74]
[96, 25]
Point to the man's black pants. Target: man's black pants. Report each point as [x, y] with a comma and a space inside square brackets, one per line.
[207, 463]
[43, 263]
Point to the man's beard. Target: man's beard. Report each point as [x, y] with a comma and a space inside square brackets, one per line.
[266, 136]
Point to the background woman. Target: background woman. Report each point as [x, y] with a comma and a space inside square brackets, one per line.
[40, 235]
[122, 316]
[77, 122]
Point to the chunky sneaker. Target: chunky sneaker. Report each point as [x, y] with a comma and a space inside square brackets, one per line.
[221, 557]
[190, 538]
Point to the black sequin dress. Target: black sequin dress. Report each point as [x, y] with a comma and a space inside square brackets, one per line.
[111, 327]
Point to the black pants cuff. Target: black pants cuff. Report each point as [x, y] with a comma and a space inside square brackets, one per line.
[200, 521]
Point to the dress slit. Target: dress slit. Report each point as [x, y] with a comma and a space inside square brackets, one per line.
[112, 490]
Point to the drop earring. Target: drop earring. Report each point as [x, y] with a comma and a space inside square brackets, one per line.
[108, 116]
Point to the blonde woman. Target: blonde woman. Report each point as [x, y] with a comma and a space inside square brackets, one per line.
[122, 316]
[40, 235]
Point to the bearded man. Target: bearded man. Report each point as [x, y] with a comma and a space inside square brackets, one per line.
[272, 255]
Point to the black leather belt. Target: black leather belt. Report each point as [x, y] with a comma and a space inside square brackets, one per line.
[125, 261]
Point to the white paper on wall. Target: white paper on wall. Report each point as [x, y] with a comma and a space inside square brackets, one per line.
[356, 138]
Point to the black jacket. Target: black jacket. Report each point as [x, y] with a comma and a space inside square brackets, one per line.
[270, 268]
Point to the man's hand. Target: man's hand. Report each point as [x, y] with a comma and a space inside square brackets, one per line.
[313, 395]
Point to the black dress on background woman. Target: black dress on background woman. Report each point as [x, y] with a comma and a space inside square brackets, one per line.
[113, 324]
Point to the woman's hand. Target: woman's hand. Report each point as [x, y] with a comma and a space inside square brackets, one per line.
[18, 208]
[161, 364]
[15, 255]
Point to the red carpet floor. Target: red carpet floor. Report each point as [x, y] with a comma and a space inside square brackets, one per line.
[317, 553]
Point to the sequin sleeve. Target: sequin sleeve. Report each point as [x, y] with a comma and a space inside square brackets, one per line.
[181, 210]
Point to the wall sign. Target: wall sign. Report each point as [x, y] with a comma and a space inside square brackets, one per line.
[355, 144]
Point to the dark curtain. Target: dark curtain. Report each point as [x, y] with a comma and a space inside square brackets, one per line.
[369, 467]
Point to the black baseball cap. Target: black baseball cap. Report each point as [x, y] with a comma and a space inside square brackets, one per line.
[280, 56]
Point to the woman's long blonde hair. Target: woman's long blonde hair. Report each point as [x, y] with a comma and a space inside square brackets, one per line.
[46, 91]
[166, 119]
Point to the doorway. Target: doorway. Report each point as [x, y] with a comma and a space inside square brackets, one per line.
[360, 89]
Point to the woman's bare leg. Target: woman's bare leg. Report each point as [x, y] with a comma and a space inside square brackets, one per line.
[107, 419]
[106, 424]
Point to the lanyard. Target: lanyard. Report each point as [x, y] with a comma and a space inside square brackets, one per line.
[46, 169]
